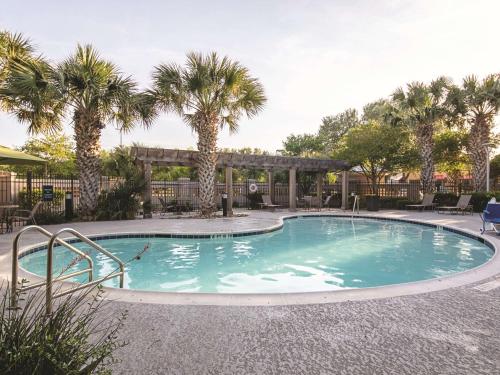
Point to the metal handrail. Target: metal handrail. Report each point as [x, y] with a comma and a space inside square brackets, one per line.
[15, 261]
[355, 206]
[81, 237]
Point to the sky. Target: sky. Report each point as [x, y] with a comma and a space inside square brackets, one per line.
[314, 58]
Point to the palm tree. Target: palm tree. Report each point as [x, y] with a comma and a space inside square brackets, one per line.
[13, 47]
[421, 108]
[92, 90]
[209, 93]
[477, 102]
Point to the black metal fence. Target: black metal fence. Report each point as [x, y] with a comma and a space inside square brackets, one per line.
[25, 190]
[186, 193]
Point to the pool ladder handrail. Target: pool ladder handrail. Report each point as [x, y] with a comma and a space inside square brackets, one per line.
[49, 278]
[355, 206]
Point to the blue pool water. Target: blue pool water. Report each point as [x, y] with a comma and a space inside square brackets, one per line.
[307, 254]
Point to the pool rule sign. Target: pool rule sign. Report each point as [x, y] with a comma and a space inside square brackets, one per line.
[47, 193]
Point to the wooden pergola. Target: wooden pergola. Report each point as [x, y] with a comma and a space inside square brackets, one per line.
[147, 157]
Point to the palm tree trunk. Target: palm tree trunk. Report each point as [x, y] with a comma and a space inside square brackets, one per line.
[87, 137]
[479, 135]
[207, 159]
[426, 145]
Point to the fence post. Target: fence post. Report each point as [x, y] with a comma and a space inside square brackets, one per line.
[29, 188]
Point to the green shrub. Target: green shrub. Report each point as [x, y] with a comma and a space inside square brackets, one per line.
[50, 212]
[445, 199]
[120, 203]
[46, 218]
[480, 199]
[394, 203]
[78, 337]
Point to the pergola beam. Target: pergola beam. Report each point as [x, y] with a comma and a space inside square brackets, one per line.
[188, 158]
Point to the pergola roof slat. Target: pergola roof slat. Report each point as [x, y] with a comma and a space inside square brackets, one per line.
[189, 158]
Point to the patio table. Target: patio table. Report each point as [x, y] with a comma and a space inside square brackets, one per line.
[5, 210]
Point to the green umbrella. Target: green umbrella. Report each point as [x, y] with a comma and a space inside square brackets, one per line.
[13, 157]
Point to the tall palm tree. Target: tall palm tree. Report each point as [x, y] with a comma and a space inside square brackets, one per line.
[478, 102]
[209, 93]
[421, 108]
[92, 90]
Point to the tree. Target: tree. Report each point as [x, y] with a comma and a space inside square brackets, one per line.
[305, 145]
[209, 93]
[495, 167]
[478, 103]
[422, 108]
[333, 128]
[94, 92]
[59, 151]
[377, 149]
[450, 154]
[13, 47]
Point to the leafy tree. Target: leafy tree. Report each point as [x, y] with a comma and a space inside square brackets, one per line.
[478, 103]
[495, 167]
[377, 149]
[92, 89]
[333, 128]
[450, 153]
[57, 148]
[379, 110]
[209, 93]
[173, 173]
[422, 108]
[305, 145]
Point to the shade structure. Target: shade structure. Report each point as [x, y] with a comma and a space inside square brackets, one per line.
[9, 156]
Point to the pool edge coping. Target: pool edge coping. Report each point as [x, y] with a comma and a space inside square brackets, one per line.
[486, 270]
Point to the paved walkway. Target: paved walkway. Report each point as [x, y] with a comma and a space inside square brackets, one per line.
[451, 331]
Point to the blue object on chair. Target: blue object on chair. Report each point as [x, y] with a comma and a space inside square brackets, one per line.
[491, 215]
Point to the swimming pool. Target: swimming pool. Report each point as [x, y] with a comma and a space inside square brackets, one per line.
[307, 254]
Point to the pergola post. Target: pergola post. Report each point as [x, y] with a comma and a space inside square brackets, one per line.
[270, 183]
[319, 188]
[229, 190]
[148, 193]
[345, 190]
[292, 189]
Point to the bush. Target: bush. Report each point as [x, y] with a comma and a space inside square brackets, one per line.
[480, 199]
[76, 338]
[120, 203]
[445, 199]
[394, 203]
[46, 218]
[50, 212]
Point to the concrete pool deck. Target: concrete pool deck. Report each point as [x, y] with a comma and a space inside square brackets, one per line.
[449, 331]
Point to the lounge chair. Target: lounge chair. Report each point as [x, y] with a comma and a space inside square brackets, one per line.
[165, 208]
[463, 205]
[25, 216]
[267, 203]
[426, 202]
[491, 215]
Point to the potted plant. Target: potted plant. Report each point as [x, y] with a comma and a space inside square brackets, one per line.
[372, 202]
